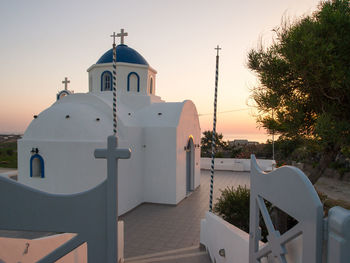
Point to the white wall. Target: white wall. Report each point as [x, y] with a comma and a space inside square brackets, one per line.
[123, 70]
[60, 157]
[217, 234]
[12, 249]
[81, 169]
[159, 183]
[131, 171]
[9, 174]
[188, 125]
[232, 164]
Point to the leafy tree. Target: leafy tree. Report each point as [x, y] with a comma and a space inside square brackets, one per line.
[304, 90]
[206, 142]
[262, 151]
[234, 151]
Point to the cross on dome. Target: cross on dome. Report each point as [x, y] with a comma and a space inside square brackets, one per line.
[217, 49]
[114, 36]
[65, 82]
[122, 34]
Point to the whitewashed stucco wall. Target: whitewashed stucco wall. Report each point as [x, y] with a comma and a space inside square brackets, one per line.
[216, 234]
[123, 69]
[188, 126]
[160, 165]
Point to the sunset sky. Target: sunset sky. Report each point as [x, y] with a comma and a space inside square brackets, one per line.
[44, 41]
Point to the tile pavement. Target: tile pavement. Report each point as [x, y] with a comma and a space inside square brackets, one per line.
[164, 233]
[155, 228]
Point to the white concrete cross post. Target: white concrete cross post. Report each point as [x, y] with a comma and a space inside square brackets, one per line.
[112, 154]
[217, 50]
[122, 34]
[114, 36]
[65, 82]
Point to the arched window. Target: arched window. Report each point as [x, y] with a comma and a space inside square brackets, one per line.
[62, 94]
[151, 86]
[133, 82]
[37, 168]
[106, 81]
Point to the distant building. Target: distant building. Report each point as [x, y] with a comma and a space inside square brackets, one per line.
[252, 143]
[9, 137]
[240, 142]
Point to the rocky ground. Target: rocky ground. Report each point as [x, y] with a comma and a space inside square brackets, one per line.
[334, 188]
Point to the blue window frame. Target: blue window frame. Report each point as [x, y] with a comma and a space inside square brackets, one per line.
[106, 81]
[138, 81]
[37, 167]
[62, 94]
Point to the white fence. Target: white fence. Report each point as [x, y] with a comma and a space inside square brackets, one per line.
[90, 215]
[239, 165]
[312, 240]
[218, 235]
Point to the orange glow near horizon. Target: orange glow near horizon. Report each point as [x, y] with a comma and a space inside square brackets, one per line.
[40, 47]
[237, 126]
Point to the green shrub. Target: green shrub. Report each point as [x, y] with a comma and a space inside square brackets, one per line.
[8, 155]
[233, 206]
[219, 155]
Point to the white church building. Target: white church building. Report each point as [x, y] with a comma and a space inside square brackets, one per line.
[56, 153]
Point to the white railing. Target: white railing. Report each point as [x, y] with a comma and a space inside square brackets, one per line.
[338, 236]
[234, 164]
[9, 174]
[312, 240]
[91, 215]
[291, 191]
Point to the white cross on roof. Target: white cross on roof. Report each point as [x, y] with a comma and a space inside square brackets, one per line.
[65, 82]
[122, 34]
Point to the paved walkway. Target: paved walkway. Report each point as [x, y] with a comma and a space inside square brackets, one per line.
[163, 233]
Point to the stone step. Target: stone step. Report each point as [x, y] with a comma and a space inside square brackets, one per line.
[185, 255]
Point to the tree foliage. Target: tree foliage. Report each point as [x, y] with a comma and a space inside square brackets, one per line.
[8, 154]
[305, 80]
[206, 143]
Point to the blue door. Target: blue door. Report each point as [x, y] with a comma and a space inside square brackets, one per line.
[190, 166]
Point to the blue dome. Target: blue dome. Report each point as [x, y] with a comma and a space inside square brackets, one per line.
[124, 54]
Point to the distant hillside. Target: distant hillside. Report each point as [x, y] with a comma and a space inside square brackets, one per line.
[8, 150]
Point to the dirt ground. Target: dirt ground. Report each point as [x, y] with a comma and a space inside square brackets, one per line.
[334, 188]
[4, 170]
